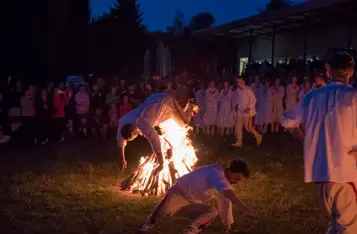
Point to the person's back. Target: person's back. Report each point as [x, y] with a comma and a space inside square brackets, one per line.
[201, 184]
[330, 123]
[329, 118]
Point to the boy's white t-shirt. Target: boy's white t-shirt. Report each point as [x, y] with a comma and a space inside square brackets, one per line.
[201, 185]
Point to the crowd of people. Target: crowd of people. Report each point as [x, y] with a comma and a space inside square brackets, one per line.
[92, 110]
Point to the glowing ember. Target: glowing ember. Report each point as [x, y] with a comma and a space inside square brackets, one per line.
[180, 158]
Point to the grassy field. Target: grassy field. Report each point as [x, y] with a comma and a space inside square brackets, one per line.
[72, 188]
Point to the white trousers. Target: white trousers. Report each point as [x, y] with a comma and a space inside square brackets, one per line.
[247, 122]
[173, 202]
[340, 201]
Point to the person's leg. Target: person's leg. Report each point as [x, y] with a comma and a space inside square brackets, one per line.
[169, 206]
[239, 132]
[248, 125]
[340, 201]
[205, 215]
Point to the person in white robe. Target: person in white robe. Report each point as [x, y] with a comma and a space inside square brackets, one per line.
[305, 90]
[224, 117]
[193, 193]
[257, 88]
[200, 97]
[292, 94]
[328, 116]
[142, 120]
[211, 108]
[244, 101]
[278, 93]
[264, 115]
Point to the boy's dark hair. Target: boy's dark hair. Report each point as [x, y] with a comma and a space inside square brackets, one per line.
[340, 64]
[127, 131]
[239, 166]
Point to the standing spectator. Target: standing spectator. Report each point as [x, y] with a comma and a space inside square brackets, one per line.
[44, 109]
[292, 94]
[134, 98]
[200, 101]
[148, 90]
[125, 106]
[245, 103]
[278, 93]
[98, 100]
[264, 115]
[305, 90]
[28, 112]
[82, 102]
[122, 87]
[211, 107]
[70, 109]
[101, 85]
[328, 116]
[59, 121]
[113, 97]
[113, 116]
[320, 81]
[224, 117]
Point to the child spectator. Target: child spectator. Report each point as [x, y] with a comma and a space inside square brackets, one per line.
[59, 102]
[125, 106]
[82, 102]
[112, 97]
[99, 124]
[70, 109]
[113, 116]
[28, 114]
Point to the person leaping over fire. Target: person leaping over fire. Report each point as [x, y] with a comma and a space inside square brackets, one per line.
[142, 120]
[194, 191]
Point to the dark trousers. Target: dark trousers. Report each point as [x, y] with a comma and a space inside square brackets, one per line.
[59, 125]
[43, 128]
[29, 124]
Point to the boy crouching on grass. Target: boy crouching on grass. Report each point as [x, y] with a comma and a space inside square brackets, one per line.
[194, 190]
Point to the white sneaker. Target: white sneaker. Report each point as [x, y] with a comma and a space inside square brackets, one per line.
[259, 140]
[237, 144]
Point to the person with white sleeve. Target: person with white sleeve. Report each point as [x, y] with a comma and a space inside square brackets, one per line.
[142, 120]
[244, 103]
[195, 190]
[329, 118]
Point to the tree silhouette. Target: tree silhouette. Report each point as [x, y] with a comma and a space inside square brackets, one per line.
[274, 5]
[201, 21]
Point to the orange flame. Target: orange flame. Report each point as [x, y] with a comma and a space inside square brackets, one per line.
[183, 158]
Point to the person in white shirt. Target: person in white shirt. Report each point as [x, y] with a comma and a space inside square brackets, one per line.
[292, 94]
[329, 118]
[244, 102]
[211, 108]
[224, 120]
[258, 89]
[142, 120]
[306, 89]
[278, 93]
[195, 190]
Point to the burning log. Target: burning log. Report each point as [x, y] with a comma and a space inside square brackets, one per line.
[179, 159]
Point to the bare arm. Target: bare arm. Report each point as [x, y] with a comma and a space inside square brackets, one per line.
[229, 194]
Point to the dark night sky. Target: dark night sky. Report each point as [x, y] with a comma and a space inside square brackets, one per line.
[159, 13]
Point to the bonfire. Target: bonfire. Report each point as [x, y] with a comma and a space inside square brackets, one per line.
[179, 159]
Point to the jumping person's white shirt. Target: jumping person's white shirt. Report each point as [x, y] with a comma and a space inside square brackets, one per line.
[329, 118]
[156, 109]
[245, 98]
[204, 184]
